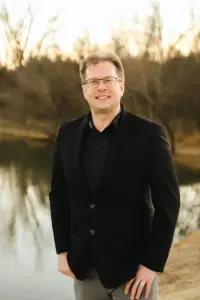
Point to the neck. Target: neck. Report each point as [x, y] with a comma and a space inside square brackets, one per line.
[102, 118]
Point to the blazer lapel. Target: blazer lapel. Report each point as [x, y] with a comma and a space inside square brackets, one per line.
[78, 155]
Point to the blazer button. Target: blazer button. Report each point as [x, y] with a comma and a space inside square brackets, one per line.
[92, 206]
[92, 232]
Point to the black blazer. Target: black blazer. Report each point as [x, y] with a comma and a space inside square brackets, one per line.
[131, 217]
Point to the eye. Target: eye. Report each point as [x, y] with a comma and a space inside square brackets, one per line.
[108, 80]
[93, 81]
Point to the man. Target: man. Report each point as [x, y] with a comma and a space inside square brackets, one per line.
[114, 195]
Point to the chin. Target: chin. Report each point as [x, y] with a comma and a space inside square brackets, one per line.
[102, 106]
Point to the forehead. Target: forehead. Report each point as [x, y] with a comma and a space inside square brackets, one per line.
[101, 69]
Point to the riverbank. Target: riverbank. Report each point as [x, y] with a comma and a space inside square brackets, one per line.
[11, 129]
[180, 280]
[188, 164]
[187, 157]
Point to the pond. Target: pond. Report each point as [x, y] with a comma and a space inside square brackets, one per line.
[28, 261]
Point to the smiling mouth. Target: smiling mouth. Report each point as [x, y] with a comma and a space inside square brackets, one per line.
[102, 97]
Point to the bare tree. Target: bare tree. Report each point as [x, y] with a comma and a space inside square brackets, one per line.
[18, 36]
[83, 45]
[152, 85]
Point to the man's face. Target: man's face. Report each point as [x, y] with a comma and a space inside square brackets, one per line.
[105, 94]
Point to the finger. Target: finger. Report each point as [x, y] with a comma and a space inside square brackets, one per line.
[127, 287]
[140, 289]
[148, 289]
[134, 288]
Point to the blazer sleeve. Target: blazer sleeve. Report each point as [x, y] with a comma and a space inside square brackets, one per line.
[166, 201]
[58, 200]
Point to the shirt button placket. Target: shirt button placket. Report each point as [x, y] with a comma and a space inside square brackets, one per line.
[92, 231]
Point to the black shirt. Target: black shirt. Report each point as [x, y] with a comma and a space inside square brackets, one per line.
[96, 146]
[94, 154]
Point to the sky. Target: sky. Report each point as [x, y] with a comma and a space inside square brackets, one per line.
[97, 16]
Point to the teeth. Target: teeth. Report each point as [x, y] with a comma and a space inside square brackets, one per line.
[102, 97]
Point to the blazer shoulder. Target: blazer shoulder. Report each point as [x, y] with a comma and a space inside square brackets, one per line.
[146, 128]
[68, 126]
[145, 122]
[71, 124]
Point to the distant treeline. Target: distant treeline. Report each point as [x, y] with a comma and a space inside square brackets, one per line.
[50, 91]
[161, 83]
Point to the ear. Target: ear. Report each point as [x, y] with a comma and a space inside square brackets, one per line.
[84, 90]
[122, 89]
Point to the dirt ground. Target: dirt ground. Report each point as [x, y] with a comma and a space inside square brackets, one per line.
[181, 278]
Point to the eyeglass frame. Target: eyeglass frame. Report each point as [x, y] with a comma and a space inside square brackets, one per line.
[102, 79]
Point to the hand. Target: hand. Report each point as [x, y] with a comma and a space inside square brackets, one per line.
[142, 277]
[63, 266]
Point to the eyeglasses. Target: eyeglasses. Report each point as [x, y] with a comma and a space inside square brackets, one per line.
[107, 81]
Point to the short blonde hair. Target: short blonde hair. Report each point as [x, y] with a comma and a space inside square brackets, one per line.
[101, 56]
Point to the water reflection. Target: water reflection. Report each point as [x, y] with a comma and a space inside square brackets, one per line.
[28, 262]
[26, 239]
[24, 182]
[189, 217]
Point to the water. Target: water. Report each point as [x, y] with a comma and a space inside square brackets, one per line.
[28, 262]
